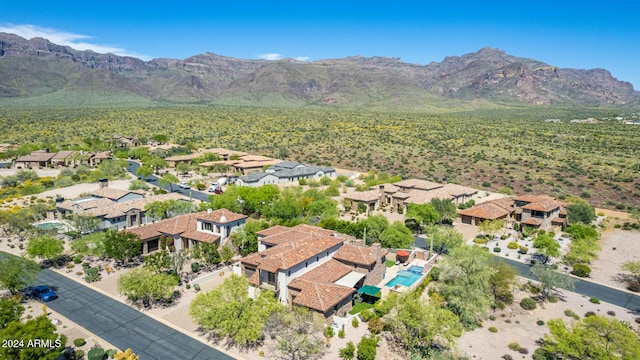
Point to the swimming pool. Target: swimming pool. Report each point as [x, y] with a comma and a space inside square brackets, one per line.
[416, 269]
[53, 225]
[404, 278]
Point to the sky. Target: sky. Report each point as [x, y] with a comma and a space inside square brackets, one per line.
[568, 34]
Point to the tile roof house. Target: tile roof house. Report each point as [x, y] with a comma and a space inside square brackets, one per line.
[281, 172]
[39, 158]
[312, 267]
[411, 191]
[211, 226]
[539, 212]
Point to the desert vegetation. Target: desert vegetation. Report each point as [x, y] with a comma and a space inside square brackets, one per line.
[509, 149]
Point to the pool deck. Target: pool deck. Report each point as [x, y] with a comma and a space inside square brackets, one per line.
[392, 272]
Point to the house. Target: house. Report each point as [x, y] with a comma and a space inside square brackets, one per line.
[312, 267]
[99, 157]
[281, 172]
[116, 195]
[39, 158]
[183, 232]
[110, 213]
[122, 141]
[536, 212]
[399, 195]
[61, 158]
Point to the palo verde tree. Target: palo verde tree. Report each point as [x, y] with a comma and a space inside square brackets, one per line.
[594, 337]
[44, 247]
[465, 282]
[297, 332]
[141, 284]
[228, 312]
[445, 208]
[550, 280]
[39, 328]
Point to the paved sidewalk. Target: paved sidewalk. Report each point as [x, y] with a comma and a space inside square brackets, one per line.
[121, 325]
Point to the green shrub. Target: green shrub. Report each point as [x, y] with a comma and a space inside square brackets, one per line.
[92, 274]
[376, 325]
[195, 267]
[196, 287]
[514, 346]
[366, 315]
[589, 313]
[595, 300]
[634, 285]
[328, 332]
[493, 329]
[111, 353]
[571, 314]
[528, 303]
[367, 348]
[77, 259]
[78, 354]
[341, 333]
[540, 322]
[96, 354]
[355, 323]
[496, 249]
[581, 270]
[513, 245]
[79, 342]
[480, 241]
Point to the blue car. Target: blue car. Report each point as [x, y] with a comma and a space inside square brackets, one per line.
[44, 293]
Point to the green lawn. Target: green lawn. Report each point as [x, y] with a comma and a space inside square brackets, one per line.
[359, 307]
[390, 263]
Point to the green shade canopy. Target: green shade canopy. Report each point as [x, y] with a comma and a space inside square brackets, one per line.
[369, 290]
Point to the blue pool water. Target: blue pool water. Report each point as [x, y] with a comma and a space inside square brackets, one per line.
[49, 226]
[405, 278]
[416, 269]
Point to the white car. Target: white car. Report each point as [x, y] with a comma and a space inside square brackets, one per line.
[184, 185]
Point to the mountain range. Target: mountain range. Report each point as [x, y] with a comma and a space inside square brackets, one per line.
[36, 68]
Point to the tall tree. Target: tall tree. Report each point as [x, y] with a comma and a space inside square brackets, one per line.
[581, 212]
[16, 272]
[168, 180]
[465, 281]
[491, 227]
[445, 208]
[425, 214]
[396, 236]
[594, 337]
[45, 247]
[443, 239]
[144, 171]
[227, 311]
[550, 279]
[10, 310]
[39, 328]
[121, 245]
[245, 239]
[546, 244]
[142, 284]
[298, 334]
[422, 328]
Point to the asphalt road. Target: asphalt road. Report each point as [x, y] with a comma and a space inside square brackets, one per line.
[604, 293]
[152, 179]
[121, 325]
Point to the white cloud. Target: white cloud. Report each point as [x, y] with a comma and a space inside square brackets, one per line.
[303, 58]
[75, 41]
[271, 56]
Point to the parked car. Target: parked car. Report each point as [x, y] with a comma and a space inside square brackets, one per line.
[184, 185]
[215, 188]
[43, 293]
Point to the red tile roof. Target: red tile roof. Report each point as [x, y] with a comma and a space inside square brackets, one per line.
[320, 296]
[291, 252]
[220, 216]
[485, 211]
[532, 221]
[545, 205]
[358, 254]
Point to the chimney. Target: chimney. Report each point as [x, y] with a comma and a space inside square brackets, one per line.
[103, 183]
[376, 247]
[209, 211]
